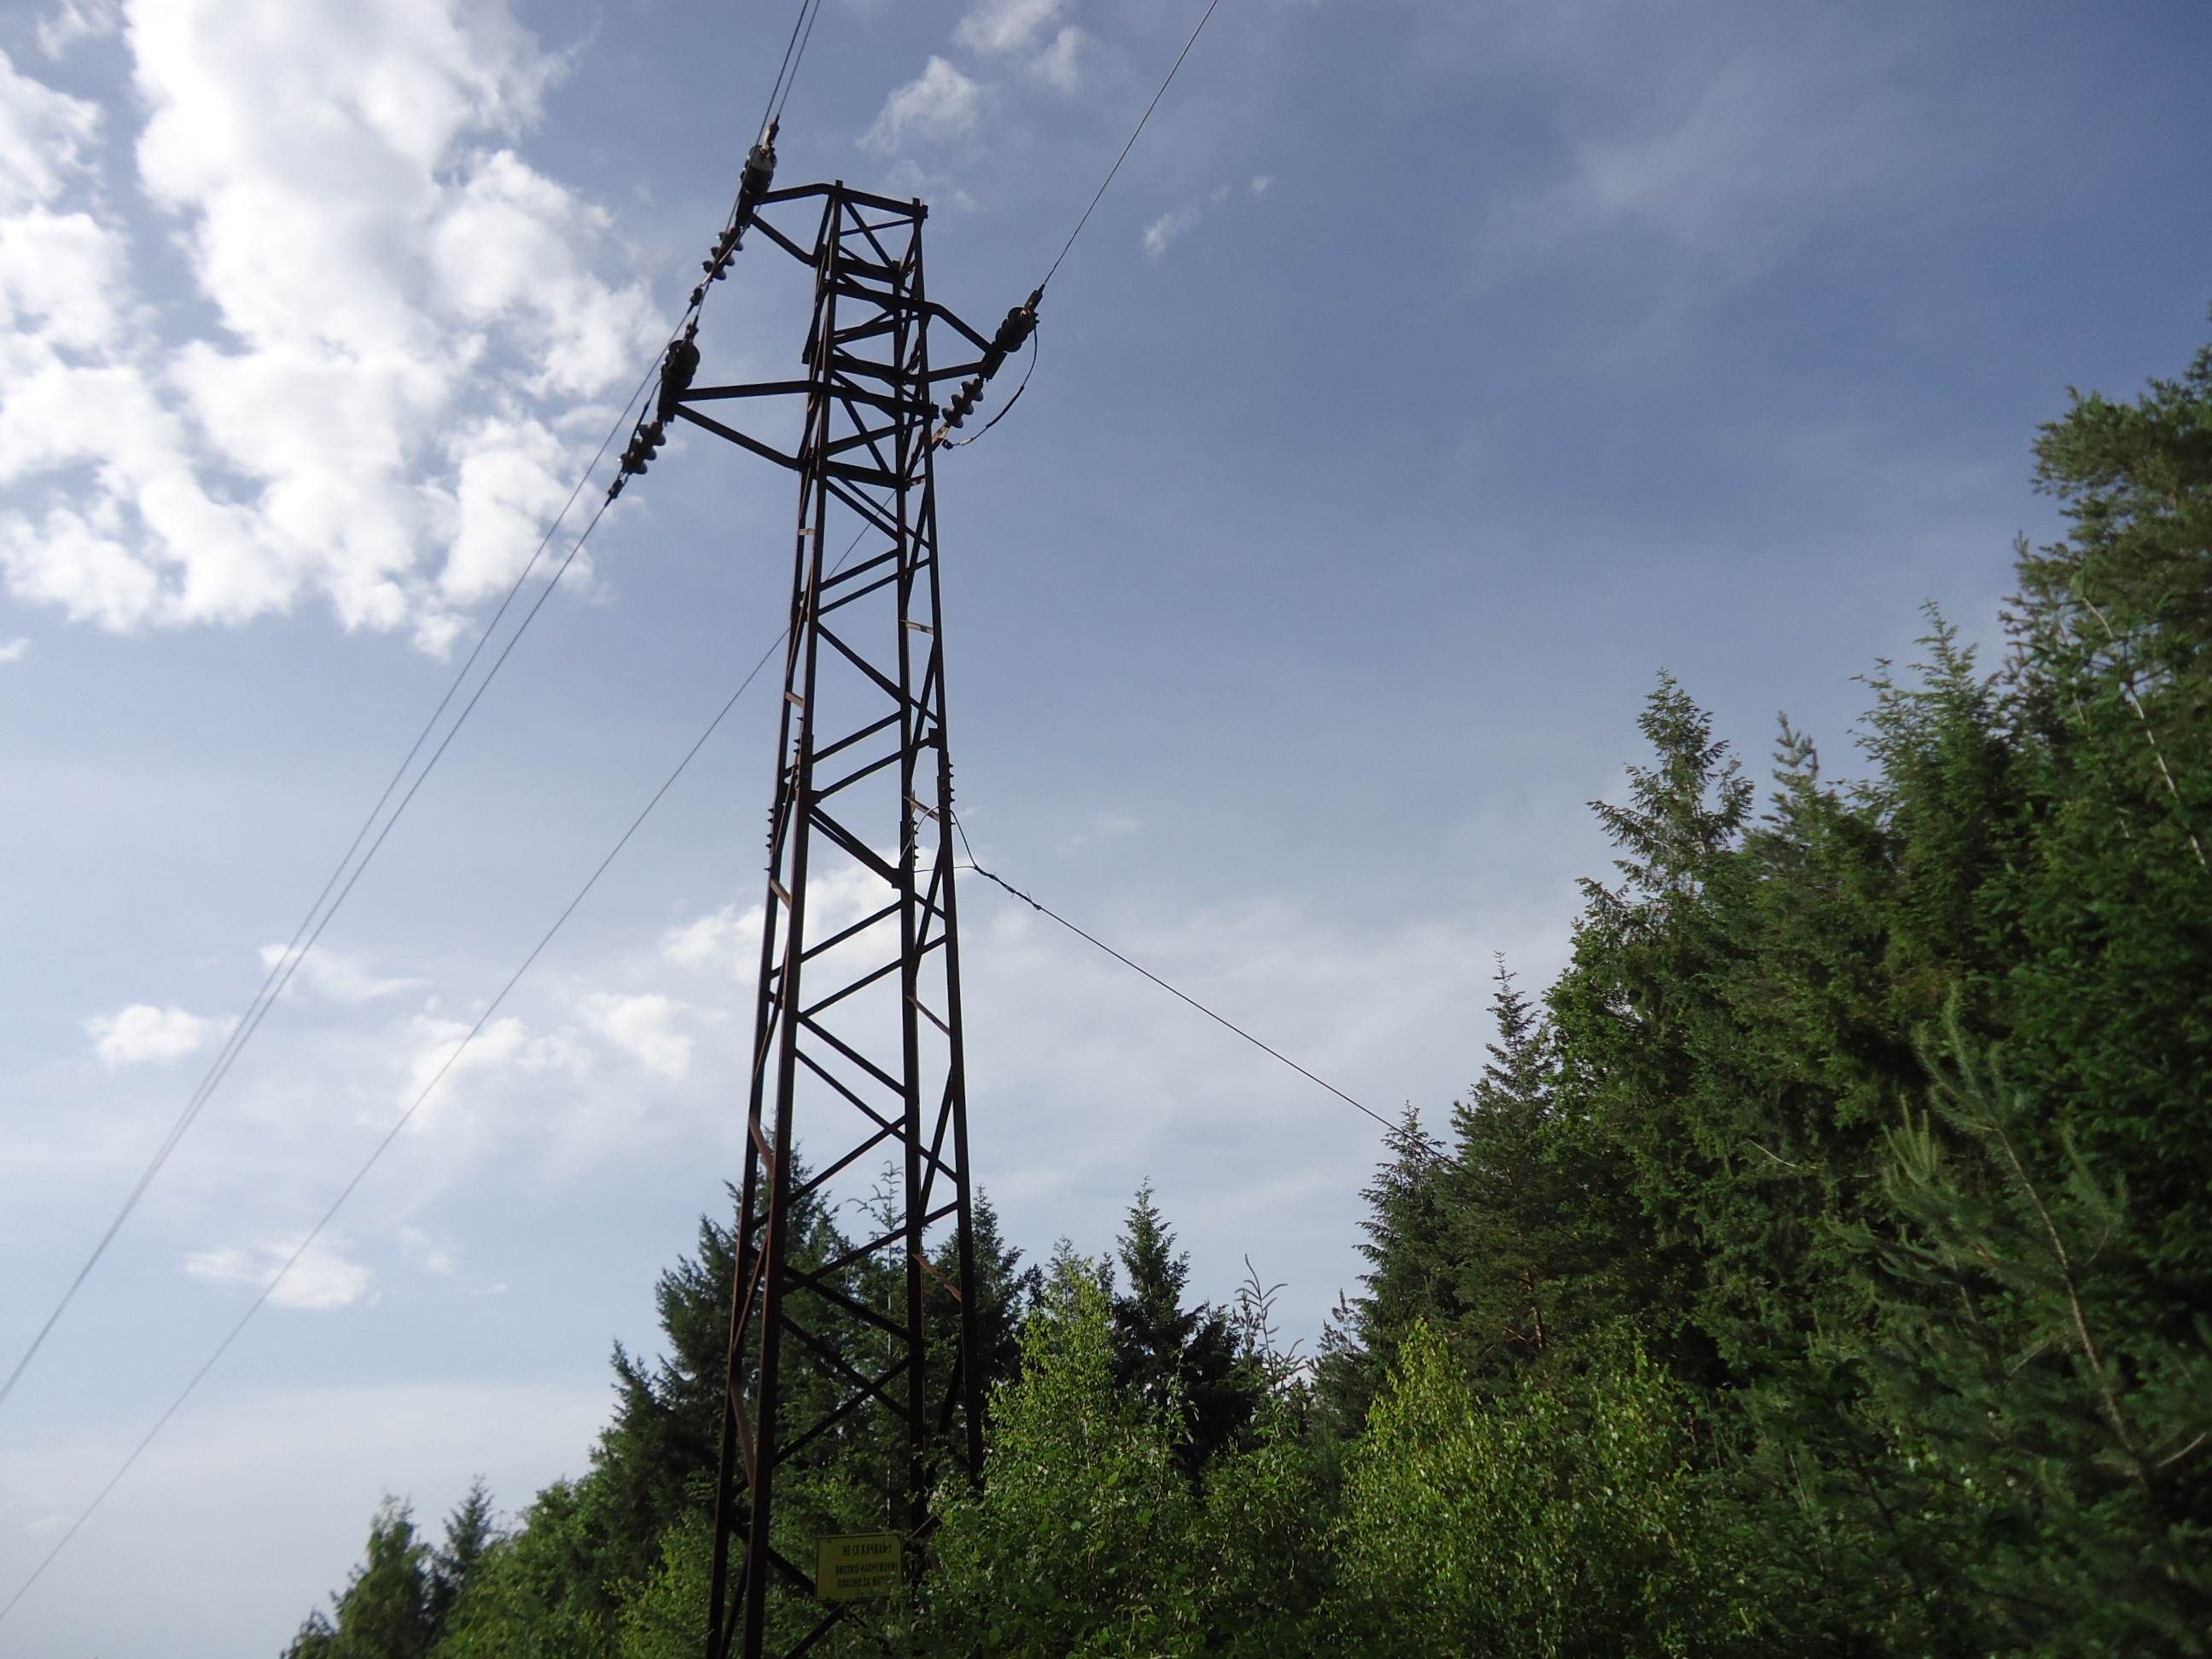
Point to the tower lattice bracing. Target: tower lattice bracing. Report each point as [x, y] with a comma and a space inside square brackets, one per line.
[857, 1069]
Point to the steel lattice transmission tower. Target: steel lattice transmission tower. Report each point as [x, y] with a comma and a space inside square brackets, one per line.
[857, 1049]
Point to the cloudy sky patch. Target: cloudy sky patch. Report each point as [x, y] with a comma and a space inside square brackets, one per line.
[1294, 619]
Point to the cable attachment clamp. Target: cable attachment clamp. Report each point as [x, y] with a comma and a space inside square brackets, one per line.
[1013, 334]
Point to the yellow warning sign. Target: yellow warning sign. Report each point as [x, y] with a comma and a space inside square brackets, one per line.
[856, 1566]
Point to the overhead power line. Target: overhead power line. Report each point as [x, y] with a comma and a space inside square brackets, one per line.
[422, 1095]
[379, 821]
[1140, 968]
[787, 72]
[378, 825]
[371, 836]
[1097, 196]
[392, 1134]
[1101, 191]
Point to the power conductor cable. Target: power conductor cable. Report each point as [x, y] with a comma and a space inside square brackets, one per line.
[1140, 968]
[370, 837]
[1029, 311]
[351, 865]
[414, 1106]
[1204, 18]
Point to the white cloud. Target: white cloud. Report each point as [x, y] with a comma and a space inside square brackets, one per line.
[15, 651]
[503, 1044]
[419, 1248]
[408, 312]
[42, 138]
[1060, 65]
[1014, 28]
[142, 1032]
[1728, 165]
[78, 20]
[1260, 181]
[1001, 26]
[339, 978]
[940, 104]
[646, 1026]
[321, 1278]
[1163, 231]
[726, 940]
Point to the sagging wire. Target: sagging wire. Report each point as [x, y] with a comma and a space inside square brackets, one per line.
[675, 364]
[347, 872]
[787, 72]
[961, 830]
[972, 390]
[944, 439]
[376, 1153]
[451, 1059]
[1017, 329]
[680, 359]
[1202, 21]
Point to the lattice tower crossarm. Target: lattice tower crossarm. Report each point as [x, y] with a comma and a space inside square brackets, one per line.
[857, 1046]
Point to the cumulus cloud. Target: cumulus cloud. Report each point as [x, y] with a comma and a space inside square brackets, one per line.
[1163, 231]
[503, 1045]
[15, 651]
[940, 104]
[645, 1026]
[1060, 65]
[78, 19]
[321, 1278]
[726, 940]
[407, 312]
[1014, 28]
[142, 1032]
[339, 978]
[1001, 26]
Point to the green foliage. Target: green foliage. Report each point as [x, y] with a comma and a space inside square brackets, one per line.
[1731, 1314]
[1407, 1279]
[1544, 1521]
[402, 1596]
[2067, 1432]
[1090, 1538]
[666, 1618]
[1081, 1543]
[1182, 1360]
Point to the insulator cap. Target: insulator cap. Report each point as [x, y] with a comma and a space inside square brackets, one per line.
[677, 371]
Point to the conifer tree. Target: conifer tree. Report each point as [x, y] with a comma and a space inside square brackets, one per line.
[1179, 1359]
[1535, 1205]
[400, 1597]
[1409, 1276]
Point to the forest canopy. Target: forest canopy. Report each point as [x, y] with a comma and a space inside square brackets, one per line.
[1821, 1265]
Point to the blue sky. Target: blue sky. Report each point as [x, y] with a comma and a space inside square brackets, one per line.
[1433, 376]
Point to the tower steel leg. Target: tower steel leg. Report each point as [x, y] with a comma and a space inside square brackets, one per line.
[857, 1035]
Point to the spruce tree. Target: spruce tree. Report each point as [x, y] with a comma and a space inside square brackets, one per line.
[1177, 1358]
[1535, 1211]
